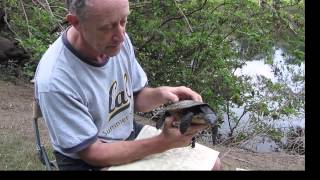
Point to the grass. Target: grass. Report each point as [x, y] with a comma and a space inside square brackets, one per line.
[17, 153]
[17, 142]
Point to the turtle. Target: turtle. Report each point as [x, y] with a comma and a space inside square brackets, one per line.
[187, 113]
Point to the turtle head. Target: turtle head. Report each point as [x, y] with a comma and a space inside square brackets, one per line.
[208, 115]
[210, 118]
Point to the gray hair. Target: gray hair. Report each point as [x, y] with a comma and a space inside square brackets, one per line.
[77, 7]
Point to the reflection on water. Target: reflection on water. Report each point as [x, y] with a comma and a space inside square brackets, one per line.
[254, 68]
[260, 144]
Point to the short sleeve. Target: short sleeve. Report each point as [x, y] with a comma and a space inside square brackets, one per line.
[69, 122]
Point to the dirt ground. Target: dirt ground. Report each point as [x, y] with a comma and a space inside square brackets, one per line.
[16, 112]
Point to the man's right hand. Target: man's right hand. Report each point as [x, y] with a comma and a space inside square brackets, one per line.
[172, 136]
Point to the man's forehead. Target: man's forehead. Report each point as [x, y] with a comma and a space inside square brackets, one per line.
[107, 4]
[108, 8]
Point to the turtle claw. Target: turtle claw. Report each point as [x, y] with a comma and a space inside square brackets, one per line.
[193, 142]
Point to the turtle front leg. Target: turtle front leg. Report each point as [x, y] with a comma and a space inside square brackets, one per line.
[185, 124]
[185, 121]
[161, 120]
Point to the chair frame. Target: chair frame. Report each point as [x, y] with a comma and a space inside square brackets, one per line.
[41, 151]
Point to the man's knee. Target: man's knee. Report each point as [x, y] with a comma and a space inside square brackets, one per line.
[217, 165]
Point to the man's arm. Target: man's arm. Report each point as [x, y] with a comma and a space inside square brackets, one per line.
[107, 154]
[149, 98]
[121, 152]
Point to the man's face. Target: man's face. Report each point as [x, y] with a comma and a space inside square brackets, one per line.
[104, 28]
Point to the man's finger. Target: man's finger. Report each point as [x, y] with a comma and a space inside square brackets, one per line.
[169, 121]
[194, 129]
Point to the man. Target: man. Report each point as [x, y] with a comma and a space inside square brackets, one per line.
[88, 84]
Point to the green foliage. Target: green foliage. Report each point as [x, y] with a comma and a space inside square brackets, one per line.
[37, 47]
[33, 23]
[241, 137]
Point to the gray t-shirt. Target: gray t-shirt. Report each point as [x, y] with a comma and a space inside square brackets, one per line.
[82, 101]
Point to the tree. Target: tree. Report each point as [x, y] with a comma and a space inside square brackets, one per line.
[200, 43]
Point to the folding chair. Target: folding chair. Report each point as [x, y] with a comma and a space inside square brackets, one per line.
[41, 151]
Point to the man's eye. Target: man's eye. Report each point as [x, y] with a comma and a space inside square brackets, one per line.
[108, 27]
[105, 28]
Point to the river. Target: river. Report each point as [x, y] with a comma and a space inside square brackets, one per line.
[262, 143]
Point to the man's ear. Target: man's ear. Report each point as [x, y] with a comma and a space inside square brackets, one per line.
[73, 20]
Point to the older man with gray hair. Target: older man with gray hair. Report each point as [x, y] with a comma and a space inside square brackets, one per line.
[88, 85]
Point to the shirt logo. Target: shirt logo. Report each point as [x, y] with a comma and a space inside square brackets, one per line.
[120, 101]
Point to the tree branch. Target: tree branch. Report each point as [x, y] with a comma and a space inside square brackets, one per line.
[5, 18]
[26, 17]
[174, 18]
[185, 17]
[139, 5]
[182, 16]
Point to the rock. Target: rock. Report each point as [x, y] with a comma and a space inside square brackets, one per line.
[11, 50]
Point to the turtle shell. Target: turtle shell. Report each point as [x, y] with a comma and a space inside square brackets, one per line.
[180, 108]
[183, 105]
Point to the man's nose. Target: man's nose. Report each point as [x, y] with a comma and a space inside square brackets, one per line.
[118, 35]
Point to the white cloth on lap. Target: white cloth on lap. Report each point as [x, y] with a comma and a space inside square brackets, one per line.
[186, 158]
